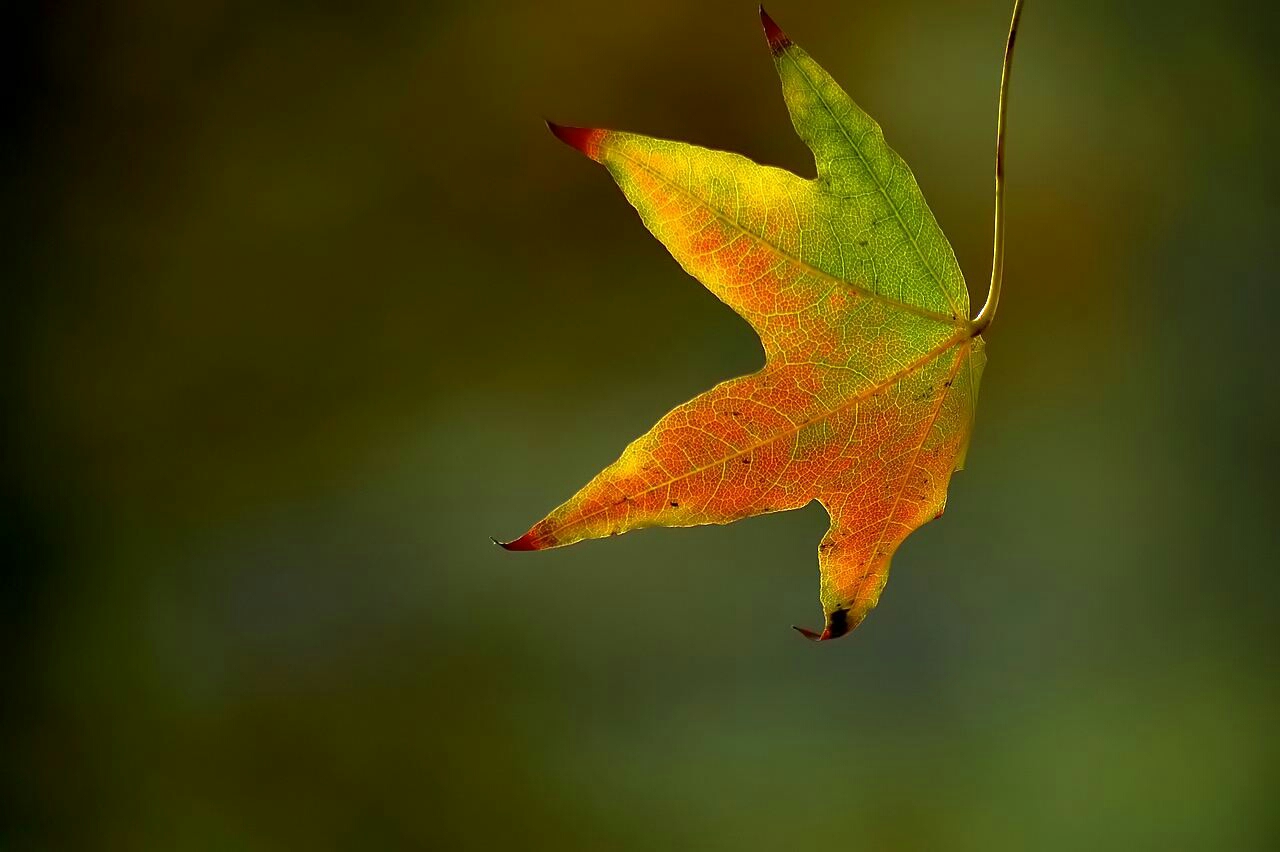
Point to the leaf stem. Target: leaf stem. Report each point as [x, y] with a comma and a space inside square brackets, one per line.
[988, 312]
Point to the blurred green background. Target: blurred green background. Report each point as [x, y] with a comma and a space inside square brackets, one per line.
[303, 304]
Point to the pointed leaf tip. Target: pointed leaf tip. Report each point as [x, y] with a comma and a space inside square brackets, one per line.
[777, 39]
[524, 542]
[585, 139]
[808, 634]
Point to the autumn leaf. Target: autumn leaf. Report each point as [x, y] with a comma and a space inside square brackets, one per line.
[872, 364]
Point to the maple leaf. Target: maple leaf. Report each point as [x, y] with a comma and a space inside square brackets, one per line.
[866, 399]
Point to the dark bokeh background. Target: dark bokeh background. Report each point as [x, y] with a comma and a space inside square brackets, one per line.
[302, 304]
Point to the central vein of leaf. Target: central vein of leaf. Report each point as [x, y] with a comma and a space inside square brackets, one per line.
[897, 212]
[915, 458]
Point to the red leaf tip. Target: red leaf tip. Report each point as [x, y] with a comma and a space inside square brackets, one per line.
[809, 634]
[838, 624]
[585, 139]
[524, 542]
[777, 39]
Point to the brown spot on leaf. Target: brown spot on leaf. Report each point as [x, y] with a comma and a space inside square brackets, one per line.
[837, 624]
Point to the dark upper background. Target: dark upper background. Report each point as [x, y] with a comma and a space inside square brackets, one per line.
[303, 304]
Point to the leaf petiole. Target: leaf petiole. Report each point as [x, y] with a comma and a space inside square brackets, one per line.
[988, 312]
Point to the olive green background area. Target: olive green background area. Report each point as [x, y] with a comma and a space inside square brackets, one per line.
[303, 304]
